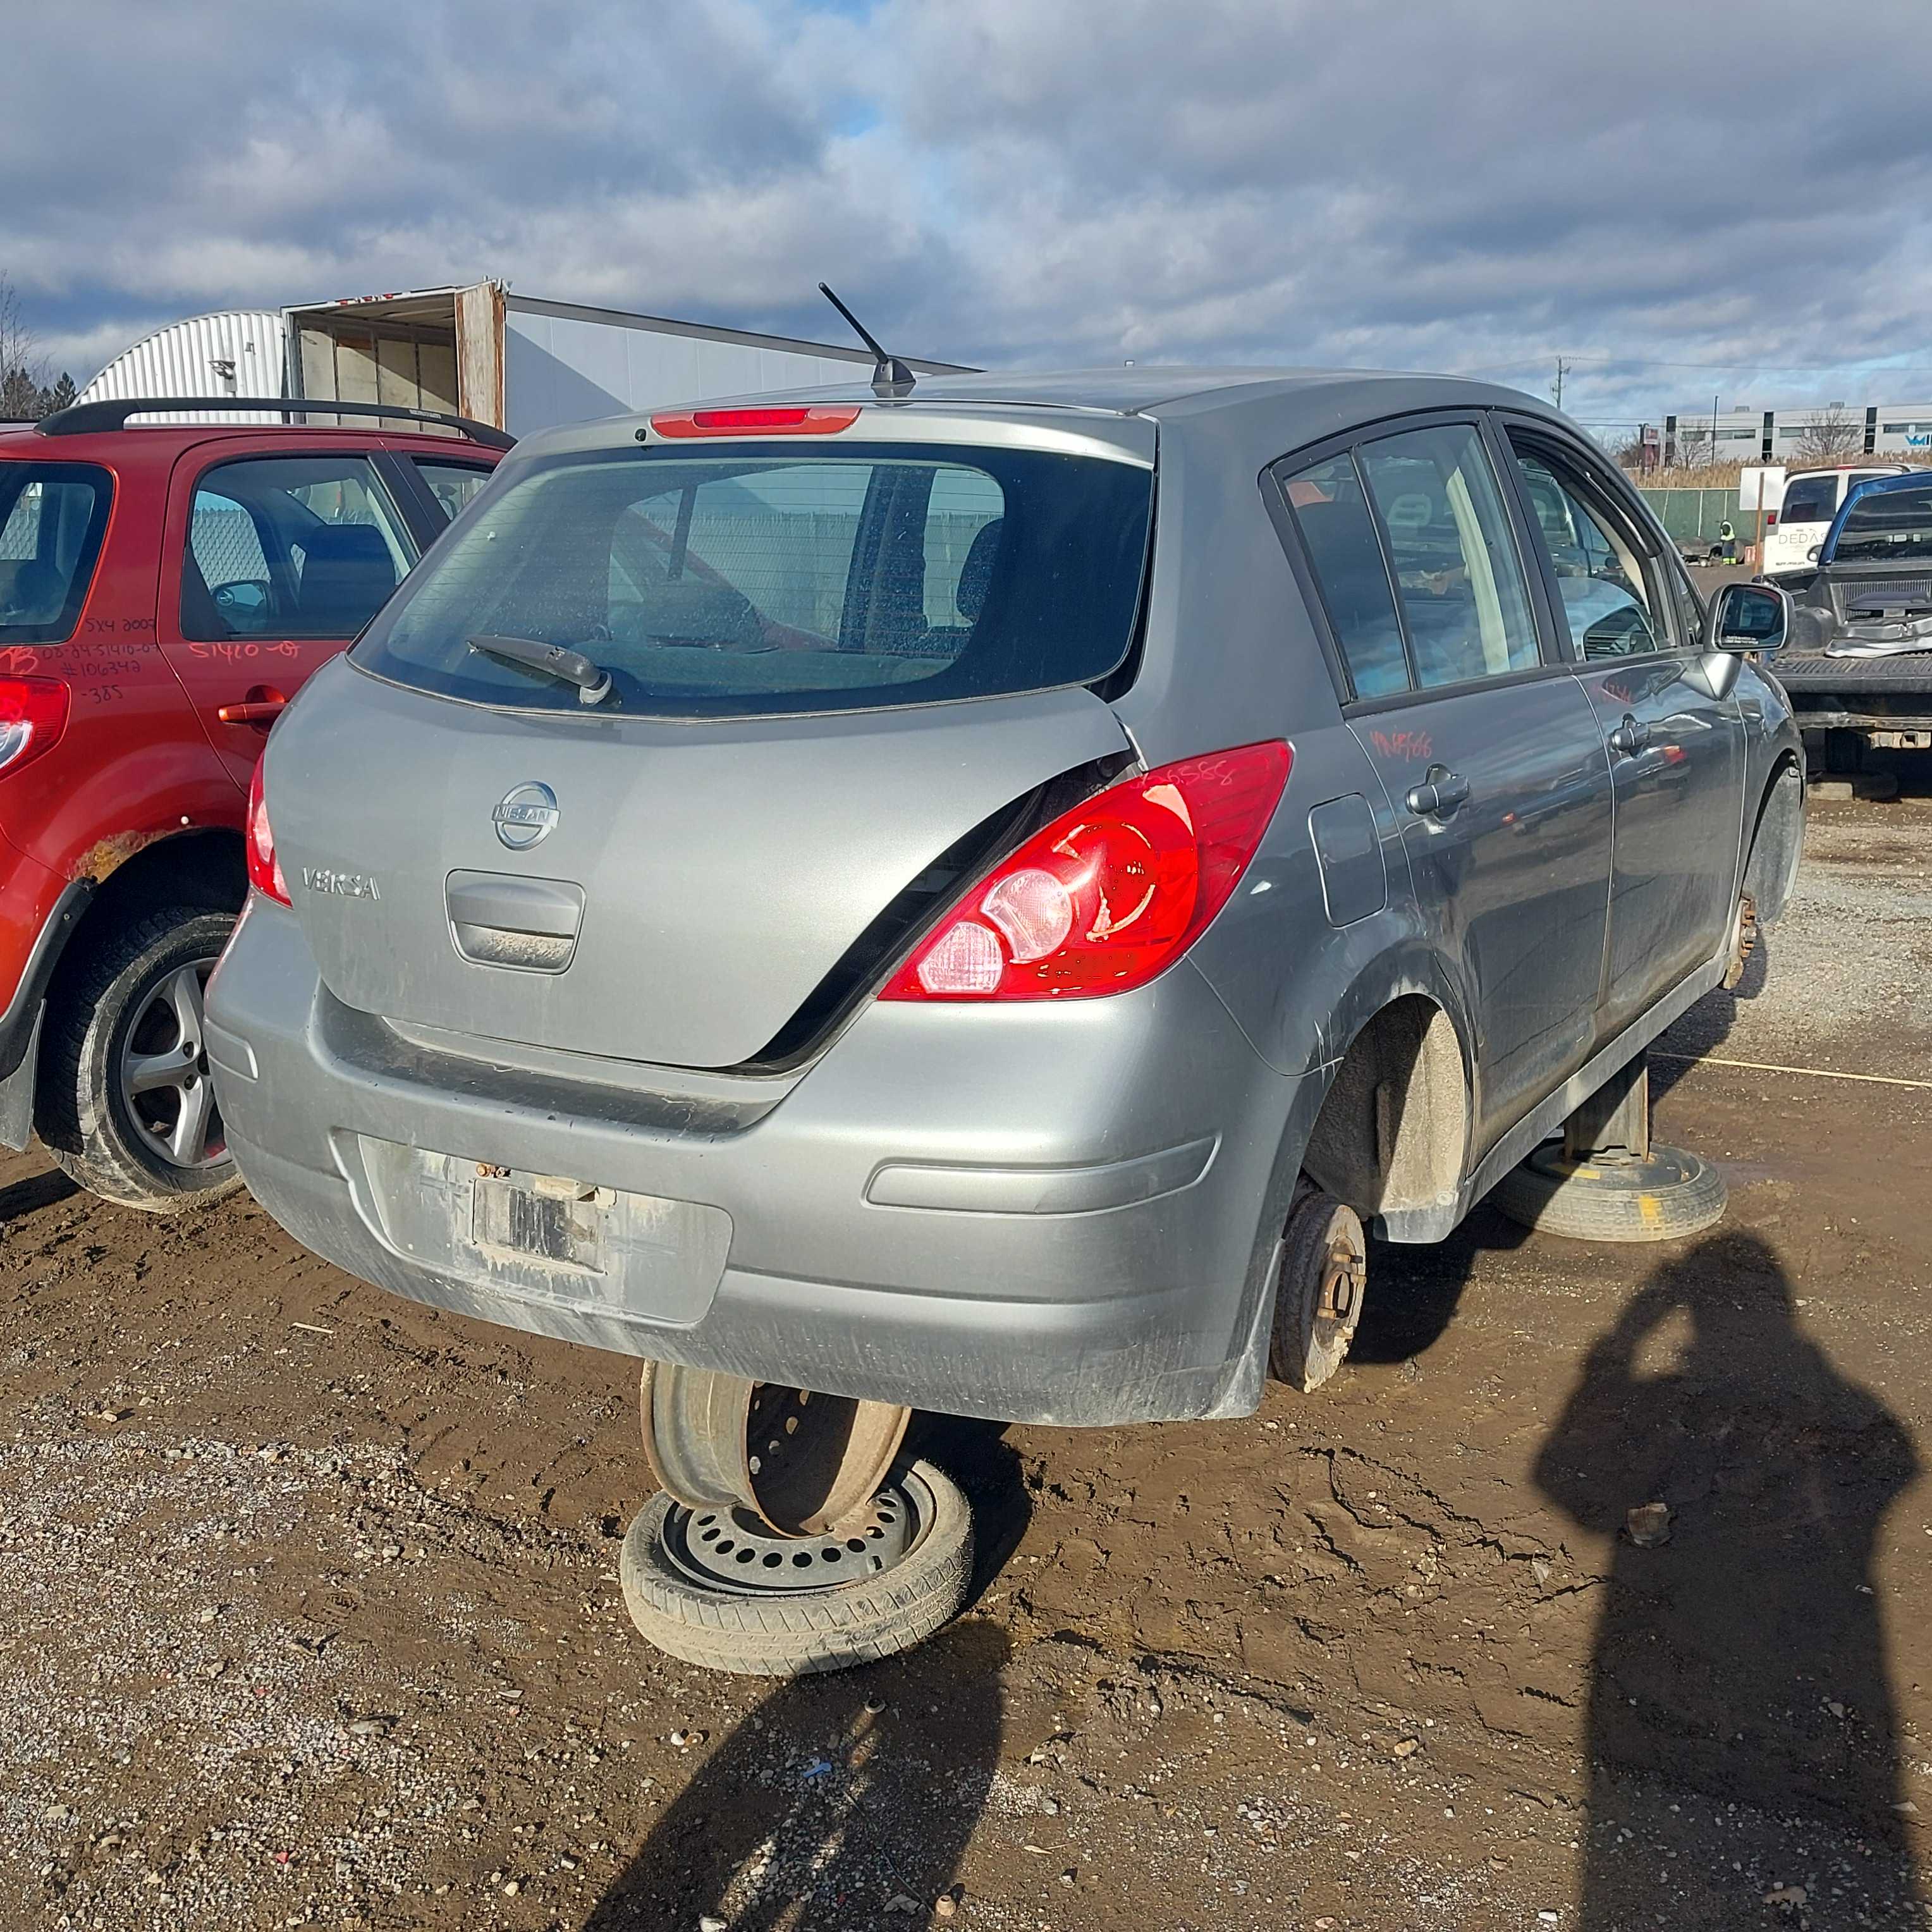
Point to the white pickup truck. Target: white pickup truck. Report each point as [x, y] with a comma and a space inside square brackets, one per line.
[1812, 498]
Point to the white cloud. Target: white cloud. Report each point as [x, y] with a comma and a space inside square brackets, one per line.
[1463, 185]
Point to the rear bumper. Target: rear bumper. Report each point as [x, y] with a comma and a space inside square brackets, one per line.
[1858, 694]
[1058, 1214]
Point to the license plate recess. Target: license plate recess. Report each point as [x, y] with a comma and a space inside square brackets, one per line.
[553, 1221]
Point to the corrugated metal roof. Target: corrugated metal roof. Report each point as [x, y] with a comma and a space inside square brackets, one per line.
[232, 352]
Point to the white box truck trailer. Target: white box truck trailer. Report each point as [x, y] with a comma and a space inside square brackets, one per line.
[519, 362]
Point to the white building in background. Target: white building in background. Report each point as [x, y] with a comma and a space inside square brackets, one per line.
[1901, 430]
[520, 362]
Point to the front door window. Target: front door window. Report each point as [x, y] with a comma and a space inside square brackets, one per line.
[1606, 593]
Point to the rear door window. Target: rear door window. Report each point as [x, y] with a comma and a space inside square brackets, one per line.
[52, 517]
[1611, 596]
[1810, 499]
[767, 581]
[1464, 600]
[452, 484]
[1330, 509]
[290, 547]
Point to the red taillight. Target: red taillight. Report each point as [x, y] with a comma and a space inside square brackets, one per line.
[1110, 894]
[33, 714]
[772, 420]
[1771, 520]
[265, 869]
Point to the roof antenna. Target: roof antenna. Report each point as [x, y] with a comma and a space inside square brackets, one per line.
[891, 378]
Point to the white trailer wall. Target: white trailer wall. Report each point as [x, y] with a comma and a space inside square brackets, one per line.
[563, 364]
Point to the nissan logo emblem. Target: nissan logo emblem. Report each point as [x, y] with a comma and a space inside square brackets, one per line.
[526, 816]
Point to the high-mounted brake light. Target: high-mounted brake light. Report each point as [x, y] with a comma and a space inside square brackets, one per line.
[771, 420]
[33, 714]
[1110, 894]
[265, 869]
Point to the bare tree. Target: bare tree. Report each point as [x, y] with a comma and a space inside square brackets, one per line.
[1628, 452]
[23, 393]
[1832, 435]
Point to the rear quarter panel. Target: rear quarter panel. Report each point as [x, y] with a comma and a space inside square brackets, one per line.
[1230, 657]
[132, 766]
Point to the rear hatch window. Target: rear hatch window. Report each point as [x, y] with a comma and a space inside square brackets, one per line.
[1887, 526]
[52, 516]
[743, 582]
[1810, 499]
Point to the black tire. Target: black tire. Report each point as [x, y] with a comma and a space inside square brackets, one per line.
[81, 1115]
[793, 1633]
[1670, 1196]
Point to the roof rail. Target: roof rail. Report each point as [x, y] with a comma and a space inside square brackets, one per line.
[84, 418]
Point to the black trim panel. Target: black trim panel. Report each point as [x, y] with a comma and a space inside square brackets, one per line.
[23, 1011]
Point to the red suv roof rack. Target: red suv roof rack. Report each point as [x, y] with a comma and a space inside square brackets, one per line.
[84, 418]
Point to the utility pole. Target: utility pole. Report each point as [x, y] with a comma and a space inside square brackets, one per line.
[1563, 364]
[1713, 432]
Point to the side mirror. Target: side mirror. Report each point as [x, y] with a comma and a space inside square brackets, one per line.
[1747, 617]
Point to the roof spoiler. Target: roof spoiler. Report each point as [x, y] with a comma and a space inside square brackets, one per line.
[84, 418]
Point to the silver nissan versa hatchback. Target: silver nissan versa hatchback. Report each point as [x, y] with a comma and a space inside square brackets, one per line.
[974, 898]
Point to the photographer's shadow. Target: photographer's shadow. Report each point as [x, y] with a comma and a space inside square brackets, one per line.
[1743, 1659]
[841, 1793]
[820, 1810]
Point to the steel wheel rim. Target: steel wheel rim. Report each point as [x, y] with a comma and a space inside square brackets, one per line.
[799, 1462]
[730, 1552]
[164, 1074]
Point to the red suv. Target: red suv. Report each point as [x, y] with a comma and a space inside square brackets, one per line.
[163, 591]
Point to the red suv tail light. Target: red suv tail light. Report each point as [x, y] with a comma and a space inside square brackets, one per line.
[33, 714]
[1110, 894]
[265, 869]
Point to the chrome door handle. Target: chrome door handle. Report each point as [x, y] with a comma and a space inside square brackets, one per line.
[1439, 795]
[1629, 737]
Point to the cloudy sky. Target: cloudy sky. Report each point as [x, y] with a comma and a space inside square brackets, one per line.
[1685, 197]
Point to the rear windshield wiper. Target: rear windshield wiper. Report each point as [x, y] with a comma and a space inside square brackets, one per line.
[558, 661]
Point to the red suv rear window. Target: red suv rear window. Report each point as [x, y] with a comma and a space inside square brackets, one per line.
[52, 516]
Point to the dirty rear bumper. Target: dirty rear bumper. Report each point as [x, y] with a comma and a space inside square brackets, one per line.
[1058, 1214]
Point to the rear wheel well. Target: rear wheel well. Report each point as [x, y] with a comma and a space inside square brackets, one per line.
[205, 870]
[1393, 1129]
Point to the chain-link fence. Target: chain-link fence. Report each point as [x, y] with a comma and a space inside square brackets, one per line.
[1693, 516]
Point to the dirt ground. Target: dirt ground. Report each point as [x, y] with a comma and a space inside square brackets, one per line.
[309, 1614]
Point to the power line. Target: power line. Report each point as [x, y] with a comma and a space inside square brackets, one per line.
[1861, 365]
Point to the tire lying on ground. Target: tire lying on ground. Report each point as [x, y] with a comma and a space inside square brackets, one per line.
[715, 1588]
[1671, 1194]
